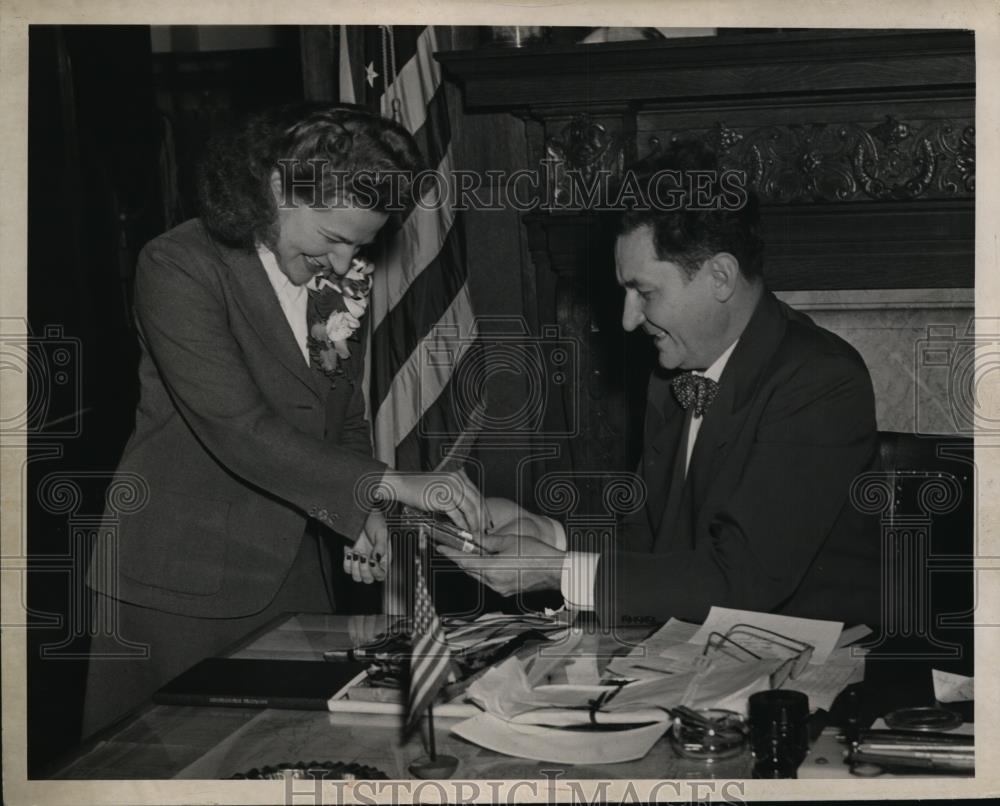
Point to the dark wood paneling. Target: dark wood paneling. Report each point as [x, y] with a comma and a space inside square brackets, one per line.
[870, 245]
[751, 65]
[790, 108]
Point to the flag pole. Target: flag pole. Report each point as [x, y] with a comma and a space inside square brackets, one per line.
[431, 766]
[431, 743]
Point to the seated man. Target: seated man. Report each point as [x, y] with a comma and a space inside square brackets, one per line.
[753, 437]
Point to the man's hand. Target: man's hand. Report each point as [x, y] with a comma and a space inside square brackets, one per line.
[512, 564]
[512, 519]
[368, 558]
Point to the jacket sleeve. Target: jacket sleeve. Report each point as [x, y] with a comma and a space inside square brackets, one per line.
[816, 433]
[352, 428]
[355, 435]
[183, 321]
[632, 530]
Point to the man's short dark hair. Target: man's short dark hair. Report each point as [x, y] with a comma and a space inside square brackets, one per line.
[690, 232]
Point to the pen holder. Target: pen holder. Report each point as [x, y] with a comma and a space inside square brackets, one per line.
[716, 734]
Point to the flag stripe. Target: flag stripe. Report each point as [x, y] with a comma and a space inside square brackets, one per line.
[434, 134]
[415, 390]
[441, 423]
[426, 669]
[428, 298]
[425, 690]
[425, 229]
[430, 656]
[418, 78]
[405, 258]
[405, 38]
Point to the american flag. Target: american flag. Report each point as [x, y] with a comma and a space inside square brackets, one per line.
[423, 333]
[421, 308]
[430, 658]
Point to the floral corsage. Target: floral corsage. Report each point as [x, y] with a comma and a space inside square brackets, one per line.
[336, 307]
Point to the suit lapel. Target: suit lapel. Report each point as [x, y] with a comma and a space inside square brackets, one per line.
[720, 421]
[665, 429]
[255, 295]
[737, 387]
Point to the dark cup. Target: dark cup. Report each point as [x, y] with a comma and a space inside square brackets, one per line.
[779, 735]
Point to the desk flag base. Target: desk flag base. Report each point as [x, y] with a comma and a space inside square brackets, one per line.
[433, 765]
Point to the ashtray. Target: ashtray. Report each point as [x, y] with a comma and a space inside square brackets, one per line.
[708, 734]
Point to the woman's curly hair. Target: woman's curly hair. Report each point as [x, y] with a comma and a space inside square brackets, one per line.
[320, 150]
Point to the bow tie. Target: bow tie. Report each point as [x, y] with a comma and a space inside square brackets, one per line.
[694, 390]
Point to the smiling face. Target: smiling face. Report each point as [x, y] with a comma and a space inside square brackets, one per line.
[321, 240]
[682, 315]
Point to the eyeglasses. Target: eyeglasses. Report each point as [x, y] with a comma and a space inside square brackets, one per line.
[744, 642]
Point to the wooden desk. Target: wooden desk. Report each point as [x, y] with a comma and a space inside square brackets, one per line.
[165, 741]
[189, 742]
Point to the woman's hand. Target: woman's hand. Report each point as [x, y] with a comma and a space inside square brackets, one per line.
[368, 558]
[452, 494]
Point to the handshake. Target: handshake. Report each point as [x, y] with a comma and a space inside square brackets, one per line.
[516, 550]
[521, 552]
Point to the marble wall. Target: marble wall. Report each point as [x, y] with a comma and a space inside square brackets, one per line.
[918, 344]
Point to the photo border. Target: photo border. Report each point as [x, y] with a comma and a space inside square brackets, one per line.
[981, 15]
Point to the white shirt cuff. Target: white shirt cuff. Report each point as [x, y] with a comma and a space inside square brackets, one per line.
[560, 534]
[579, 571]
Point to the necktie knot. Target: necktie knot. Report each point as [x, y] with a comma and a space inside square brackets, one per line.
[694, 390]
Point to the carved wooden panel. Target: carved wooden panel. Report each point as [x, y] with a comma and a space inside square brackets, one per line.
[804, 163]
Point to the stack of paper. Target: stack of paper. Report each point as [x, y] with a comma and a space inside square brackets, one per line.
[554, 722]
[678, 648]
[595, 723]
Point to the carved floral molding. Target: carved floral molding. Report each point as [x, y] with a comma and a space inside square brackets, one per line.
[799, 163]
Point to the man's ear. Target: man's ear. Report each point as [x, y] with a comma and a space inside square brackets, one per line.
[724, 272]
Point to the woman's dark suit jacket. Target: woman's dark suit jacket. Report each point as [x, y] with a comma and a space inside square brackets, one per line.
[236, 439]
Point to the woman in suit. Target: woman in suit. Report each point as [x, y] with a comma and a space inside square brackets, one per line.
[251, 460]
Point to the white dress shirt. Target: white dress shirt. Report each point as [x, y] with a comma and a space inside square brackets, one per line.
[294, 299]
[579, 568]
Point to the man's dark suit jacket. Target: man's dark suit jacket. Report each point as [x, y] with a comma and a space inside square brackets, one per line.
[763, 520]
[236, 439]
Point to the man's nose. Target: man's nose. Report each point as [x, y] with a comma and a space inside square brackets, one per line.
[632, 314]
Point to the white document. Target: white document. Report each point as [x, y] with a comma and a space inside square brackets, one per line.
[949, 687]
[729, 685]
[822, 684]
[822, 635]
[658, 654]
[852, 635]
[506, 691]
[582, 671]
[567, 717]
[560, 745]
